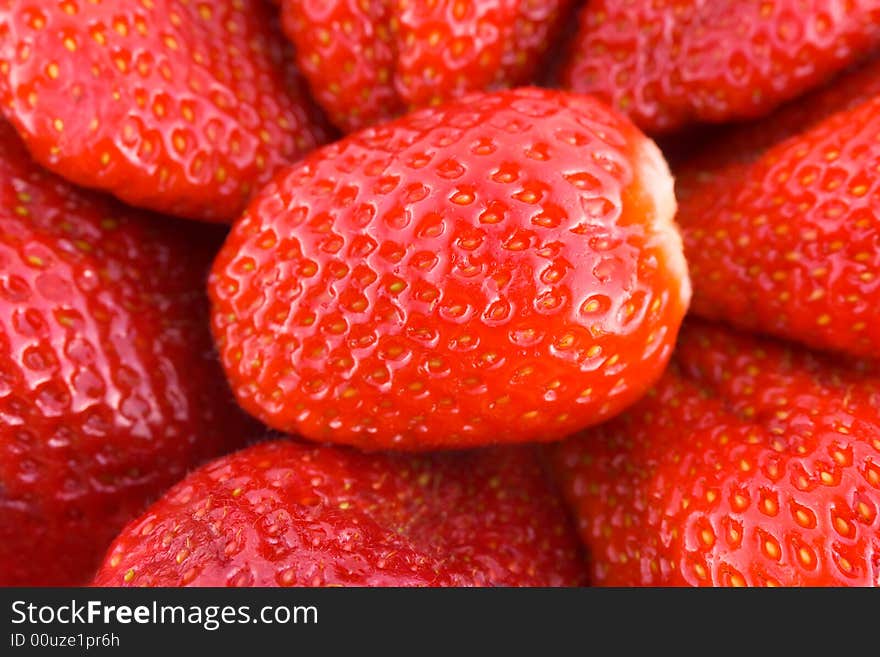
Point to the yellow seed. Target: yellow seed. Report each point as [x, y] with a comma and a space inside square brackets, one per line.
[462, 198]
[805, 556]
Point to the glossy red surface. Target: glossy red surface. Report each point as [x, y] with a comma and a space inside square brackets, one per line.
[782, 231]
[182, 107]
[668, 64]
[751, 463]
[502, 269]
[367, 62]
[109, 387]
[286, 514]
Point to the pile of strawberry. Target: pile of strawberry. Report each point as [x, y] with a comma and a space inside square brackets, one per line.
[380, 293]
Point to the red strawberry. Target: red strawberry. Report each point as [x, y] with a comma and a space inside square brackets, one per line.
[109, 387]
[668, 64]
[501, 269]
[785, 238]
[181, 106]
[743, 143]
[752, 463]
[285, 514]
[369, 60]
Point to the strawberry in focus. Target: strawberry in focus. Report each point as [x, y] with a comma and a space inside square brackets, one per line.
[751, 463]
[369, 61]
[181, 107]
[109, 385]
[670, 64]
[781, 221]
[500, 269]
[287, 514]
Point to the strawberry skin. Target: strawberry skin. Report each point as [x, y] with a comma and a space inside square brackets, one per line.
[369, 60]
[350, 71]
[781, 222]
[287, 514]
[109, 386]
[743, 143]
[501, 269]
[669, 64]
[752, 463]
[181, 107]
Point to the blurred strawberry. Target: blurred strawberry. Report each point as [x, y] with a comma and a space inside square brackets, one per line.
[743, 143]
[109, 387]
[668, 64]
[285, 514]
[369, 60]
[183, 107]
[752, 463]
[500, 269]
[781, 221]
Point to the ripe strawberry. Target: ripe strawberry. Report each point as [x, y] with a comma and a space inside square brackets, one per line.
[109, 387]
[180, 106]
[743, 143]
[286, 514]
[369, 60]
[668, 64]
[751, 463]
[500, 269]
[782, 229]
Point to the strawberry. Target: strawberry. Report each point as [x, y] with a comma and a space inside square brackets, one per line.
[109, 386]
[504, 268]
[751, 463]
[286, 514]
[369, 60]
[181, 106]
[743, 143]
[668, 64]
[781, 224]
